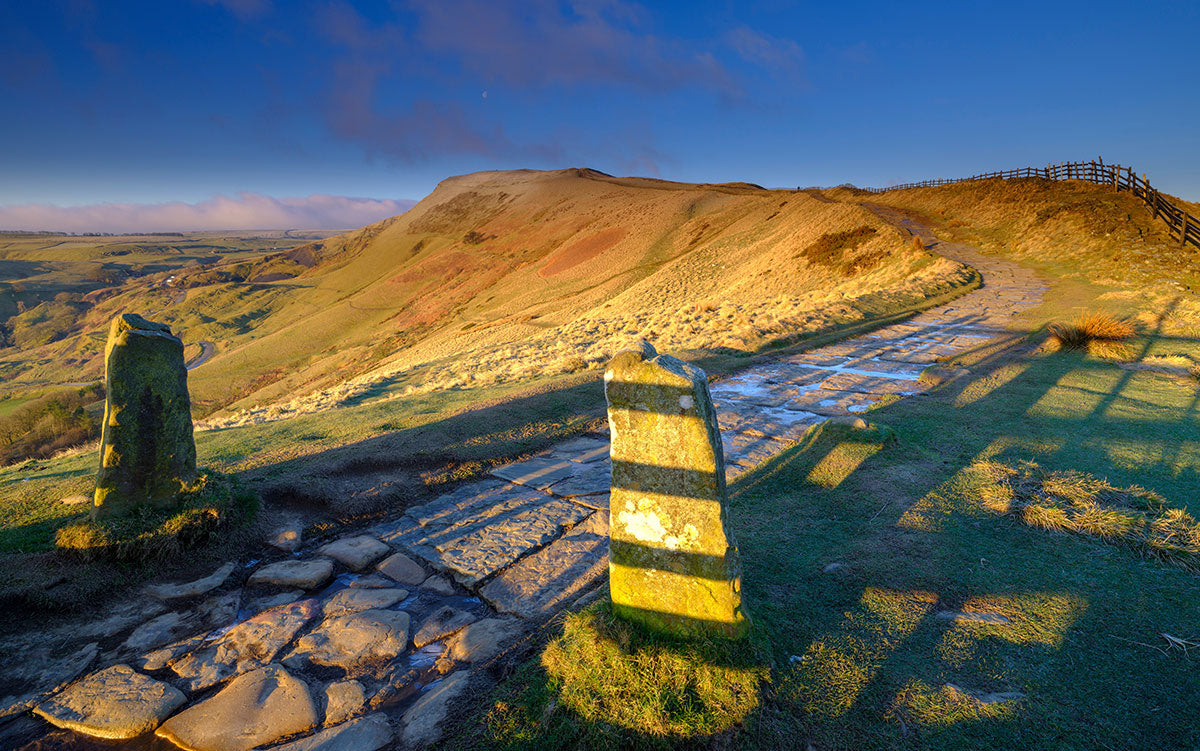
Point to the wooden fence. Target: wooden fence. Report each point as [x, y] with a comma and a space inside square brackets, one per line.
[1183, 226]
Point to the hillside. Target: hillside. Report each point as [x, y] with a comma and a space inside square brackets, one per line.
[499, 275]
[1079, 231]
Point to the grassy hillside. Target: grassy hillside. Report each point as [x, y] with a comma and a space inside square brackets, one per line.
[497, 276]
[1079, 232]
[51, 286]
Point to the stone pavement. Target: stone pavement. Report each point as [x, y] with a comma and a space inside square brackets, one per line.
[365, 642]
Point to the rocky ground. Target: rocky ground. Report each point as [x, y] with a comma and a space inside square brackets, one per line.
[367, 642]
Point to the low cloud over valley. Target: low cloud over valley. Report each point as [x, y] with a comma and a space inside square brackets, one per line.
[243, 211]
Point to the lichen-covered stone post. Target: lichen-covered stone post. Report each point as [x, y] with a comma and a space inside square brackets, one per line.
[673, 564]
[147, 452]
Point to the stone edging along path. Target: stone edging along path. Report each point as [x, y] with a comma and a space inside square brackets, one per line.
[366, 641]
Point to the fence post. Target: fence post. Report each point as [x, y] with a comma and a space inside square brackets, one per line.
[1183, 227]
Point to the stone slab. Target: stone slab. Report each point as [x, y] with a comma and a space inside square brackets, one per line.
[355, 600]
[782, 424]
[440, 624]
[887, 367]
[194, 588]
[750, 450]
[356, 641]
[250, 645]
[594, 502]
[832, 403]
[481, 640]
[818, 359]
[168, 627]
[305, 574]
[423, 719]
[473, 495]
[541, 583]
[343, 700]
[364, 734]
[588, 479]
[356, 553]
[870, 384]
[255, 709]
[115, 703]
[439, 584]
[403, 569]
[539, 472]
[582, 450]
[479, 540]
[373, 581]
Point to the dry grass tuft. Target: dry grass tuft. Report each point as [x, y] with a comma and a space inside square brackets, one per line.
[1098, 333]
[1067, 501]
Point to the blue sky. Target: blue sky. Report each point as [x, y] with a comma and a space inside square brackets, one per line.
[185, 101]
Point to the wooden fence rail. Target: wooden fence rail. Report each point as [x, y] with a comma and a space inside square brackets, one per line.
[1183, 226]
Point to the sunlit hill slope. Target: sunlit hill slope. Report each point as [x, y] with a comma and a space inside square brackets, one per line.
[496, 276]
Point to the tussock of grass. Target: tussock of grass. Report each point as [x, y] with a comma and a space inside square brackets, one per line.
[214, 503]
[837, 251]
[1068, 501]
[610, 682]
[1098, 333]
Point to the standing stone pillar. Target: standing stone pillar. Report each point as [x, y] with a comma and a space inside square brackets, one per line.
[673, 565]
[147, 452]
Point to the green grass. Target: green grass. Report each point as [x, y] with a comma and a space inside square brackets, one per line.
[859, 658]
[211, 506]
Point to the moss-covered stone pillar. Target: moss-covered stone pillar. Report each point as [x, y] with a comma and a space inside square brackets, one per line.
[673, 564]
[147, 452]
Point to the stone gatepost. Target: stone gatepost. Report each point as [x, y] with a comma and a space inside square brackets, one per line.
[673, 564]
[147, 452]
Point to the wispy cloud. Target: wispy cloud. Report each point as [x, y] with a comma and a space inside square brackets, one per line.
[245, 211]
[782, 57]
[543, 43]
[243, 9]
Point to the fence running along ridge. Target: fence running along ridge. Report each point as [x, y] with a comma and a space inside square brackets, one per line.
[1183, 226]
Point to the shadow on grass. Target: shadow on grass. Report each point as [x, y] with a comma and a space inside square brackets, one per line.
[892, 610]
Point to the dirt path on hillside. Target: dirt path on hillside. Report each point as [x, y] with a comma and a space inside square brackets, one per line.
[207, 350]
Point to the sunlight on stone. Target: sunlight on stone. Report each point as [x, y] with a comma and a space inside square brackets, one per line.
[673, 563]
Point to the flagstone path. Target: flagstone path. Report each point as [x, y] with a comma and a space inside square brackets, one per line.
[364, 642]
